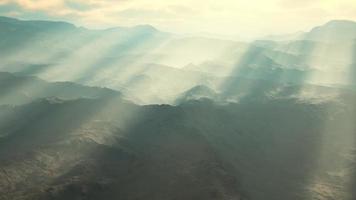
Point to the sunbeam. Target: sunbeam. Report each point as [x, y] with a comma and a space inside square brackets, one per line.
[156, 100]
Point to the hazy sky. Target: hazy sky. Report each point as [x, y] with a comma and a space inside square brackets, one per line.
[244, 18]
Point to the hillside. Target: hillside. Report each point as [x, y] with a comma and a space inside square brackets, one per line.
[92, 149]
[136, 113]
[17, 90]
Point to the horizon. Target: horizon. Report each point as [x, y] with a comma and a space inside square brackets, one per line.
[203, 35]
[237, 20]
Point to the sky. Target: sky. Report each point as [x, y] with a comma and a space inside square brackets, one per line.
[233, 18]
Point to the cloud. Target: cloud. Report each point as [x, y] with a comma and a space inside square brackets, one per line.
[292, 4]
[80, 6]
[253, 18]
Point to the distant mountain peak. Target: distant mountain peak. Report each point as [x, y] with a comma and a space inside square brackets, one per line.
[7, 19]
[340, 22]
[337, 24]
[37, 23]
[196, 93]
[333, 31]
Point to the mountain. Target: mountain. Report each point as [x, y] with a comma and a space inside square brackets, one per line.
[107, 152]
[270, 119]
[323, 56]
[148, 65]
[106, 58]
[96, 148]
[34, 24]
[17, 90]
[196, 93]
[333, 31]
[48, 42]
[15, 34]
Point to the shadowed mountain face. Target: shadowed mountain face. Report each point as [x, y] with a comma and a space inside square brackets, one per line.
[80, 114]
[199, 150]
[112, 155]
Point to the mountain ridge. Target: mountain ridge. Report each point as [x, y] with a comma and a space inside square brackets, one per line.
[24, 89]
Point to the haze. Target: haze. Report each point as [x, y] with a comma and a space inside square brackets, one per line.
[233, 19]
[177, 100]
